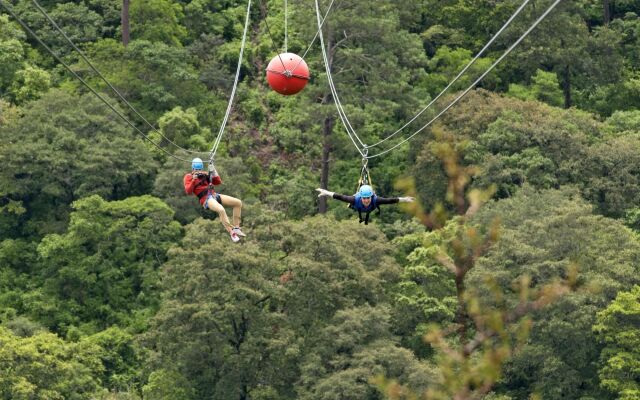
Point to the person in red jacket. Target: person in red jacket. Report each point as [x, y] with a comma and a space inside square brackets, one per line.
[197, 183]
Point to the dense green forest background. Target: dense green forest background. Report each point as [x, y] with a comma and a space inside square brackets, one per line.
[515, 276]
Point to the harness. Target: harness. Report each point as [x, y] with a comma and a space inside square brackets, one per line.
[206, 192]
[365, 179]
[209, 178]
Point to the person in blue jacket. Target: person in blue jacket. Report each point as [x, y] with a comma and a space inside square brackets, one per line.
[365, 201]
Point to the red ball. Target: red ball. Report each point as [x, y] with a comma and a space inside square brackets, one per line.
[287, 73]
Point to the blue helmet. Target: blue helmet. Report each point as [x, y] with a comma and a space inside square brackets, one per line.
[197, 163]
[365, 191]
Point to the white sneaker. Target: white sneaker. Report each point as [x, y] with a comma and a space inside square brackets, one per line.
[238, 232]
[234, 237]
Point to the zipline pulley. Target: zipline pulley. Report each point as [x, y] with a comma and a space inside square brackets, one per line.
[365, 176]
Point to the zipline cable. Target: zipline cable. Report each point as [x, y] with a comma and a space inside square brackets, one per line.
[273, 42]
[525, 34]
[84, 57]
[486, 46]
[314, 36]
[214, 149]
[68, 68]
[333, 93]
[286, 35]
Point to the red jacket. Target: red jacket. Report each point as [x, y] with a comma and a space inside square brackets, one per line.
[197, 186]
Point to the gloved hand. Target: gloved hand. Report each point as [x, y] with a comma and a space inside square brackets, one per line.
[324, 192]
[212, 169]
[406, 199]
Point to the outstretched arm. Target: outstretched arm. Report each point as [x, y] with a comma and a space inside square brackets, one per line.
[392, 200]
[337, 196]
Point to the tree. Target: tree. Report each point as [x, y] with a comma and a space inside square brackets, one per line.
[426, 293]
[470, 350]
[29, 84]
[120, 357]
[153, 77]
[617, 328]
[581, 60]
[157, 21]
[612, 175]
[12, 52]
[544, 87]
[182, 128]
[125, 22]
[44, 367]
[623, 122]
[64, 148]
[356, 345]
[242, 322]
[79, 23]
[93, 282]
[543, 234]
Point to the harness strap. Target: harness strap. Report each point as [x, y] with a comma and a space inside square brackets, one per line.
[203, 193]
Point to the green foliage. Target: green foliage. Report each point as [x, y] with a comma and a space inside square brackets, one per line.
[104, 268]
[622, 122]
[542, 234]
[8, 112]
[515, 142]
[153, 76]
[220, 18]
[63, 148]
[356, 345]
[120, 358]
[313, 308]
[183, 129]
[110, 11]
[12, 52]
[544, 87]
[157, 21]
[612, 172]
[81, 24]
[167, 385]
[29, 84]
[43, 367]
[426, 293]
[261, 309]
[617, 327]
[632, 218]
[447, 63]
[621, 95]
[18, 263]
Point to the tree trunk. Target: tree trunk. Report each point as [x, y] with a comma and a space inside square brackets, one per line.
[327, 129]
[461, 317]
[326, 152]
[566, 86]
[607, 11]
[124, 19]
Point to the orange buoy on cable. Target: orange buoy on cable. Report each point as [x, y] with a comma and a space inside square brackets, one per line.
[287, 73]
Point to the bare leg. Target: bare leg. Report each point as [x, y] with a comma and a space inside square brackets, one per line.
[237, 207]
[217, 207]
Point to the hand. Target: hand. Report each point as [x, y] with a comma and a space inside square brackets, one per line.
[324, 192]
[213, 170]
[406, 199]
